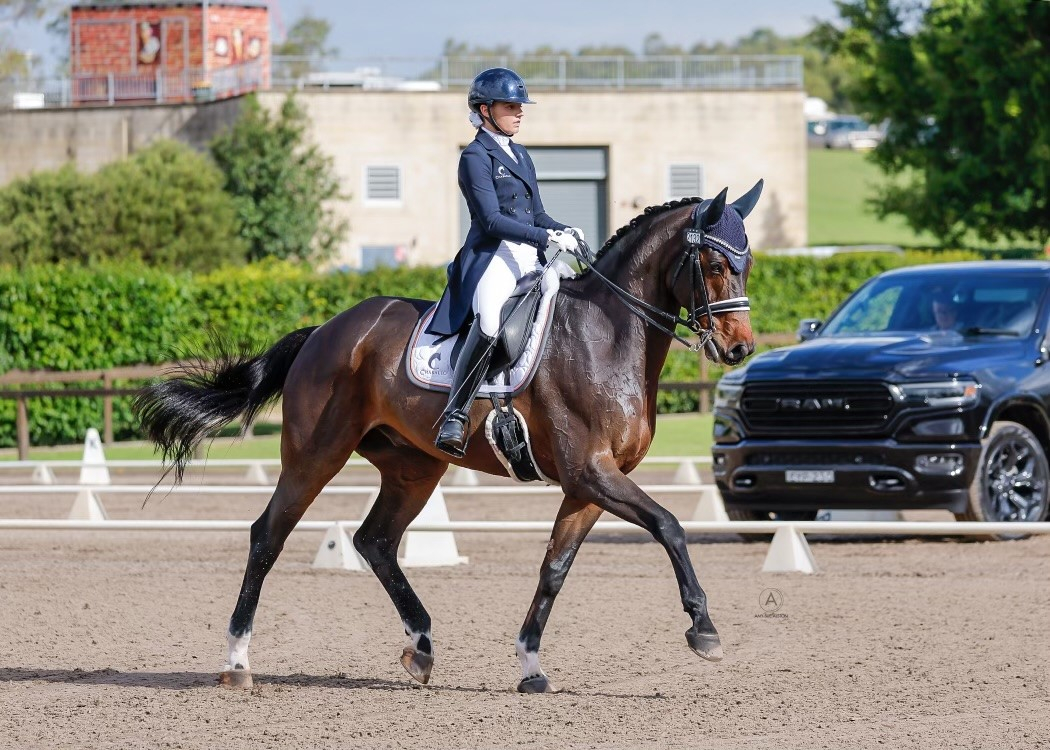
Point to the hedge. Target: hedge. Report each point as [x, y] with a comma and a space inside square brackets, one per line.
[67, 317]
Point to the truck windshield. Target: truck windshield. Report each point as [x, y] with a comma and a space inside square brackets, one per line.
[964, 304]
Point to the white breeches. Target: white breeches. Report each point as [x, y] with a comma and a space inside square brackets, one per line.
[511, 261]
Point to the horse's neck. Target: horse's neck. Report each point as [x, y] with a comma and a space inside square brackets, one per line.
[639, 269]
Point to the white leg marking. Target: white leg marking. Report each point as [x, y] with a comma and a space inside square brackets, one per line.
[530, 661]
[238, 651]
[413, 639]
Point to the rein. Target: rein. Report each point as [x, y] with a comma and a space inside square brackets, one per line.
[695, 239]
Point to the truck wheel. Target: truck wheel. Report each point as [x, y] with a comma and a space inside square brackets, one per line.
[768, 515]
[1011, 481]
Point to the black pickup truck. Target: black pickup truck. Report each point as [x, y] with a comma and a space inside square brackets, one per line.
[929, 387]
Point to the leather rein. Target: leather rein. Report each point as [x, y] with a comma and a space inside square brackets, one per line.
[695, 239]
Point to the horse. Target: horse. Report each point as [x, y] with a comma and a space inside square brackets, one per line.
[590, 410]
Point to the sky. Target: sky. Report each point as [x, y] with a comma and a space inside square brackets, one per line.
[419, 28]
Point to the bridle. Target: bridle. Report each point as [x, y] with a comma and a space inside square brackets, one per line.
[695, 238]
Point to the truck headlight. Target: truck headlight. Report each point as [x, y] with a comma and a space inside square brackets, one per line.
[942, 394]
[728, 396]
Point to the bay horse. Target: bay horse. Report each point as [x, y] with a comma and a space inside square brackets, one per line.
[590, 411]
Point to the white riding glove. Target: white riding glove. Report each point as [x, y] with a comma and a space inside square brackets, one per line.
[559, 240]
[577, 232]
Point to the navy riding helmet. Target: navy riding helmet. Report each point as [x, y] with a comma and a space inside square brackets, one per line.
[496, 85]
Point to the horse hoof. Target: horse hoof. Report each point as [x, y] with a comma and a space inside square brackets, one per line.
[236, 679]
[417, 664]
[706, 645]
[537, 684]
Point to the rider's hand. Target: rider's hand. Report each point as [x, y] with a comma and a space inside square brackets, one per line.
[559, 240]
[577, 232]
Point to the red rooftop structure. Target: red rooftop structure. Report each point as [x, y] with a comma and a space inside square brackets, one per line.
[165, 51]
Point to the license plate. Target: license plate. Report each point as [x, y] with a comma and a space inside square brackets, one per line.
[810, 476]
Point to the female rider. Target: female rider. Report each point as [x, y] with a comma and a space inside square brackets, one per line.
[509, 232]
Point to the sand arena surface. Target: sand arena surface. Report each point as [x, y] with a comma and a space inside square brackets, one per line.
[114, 640]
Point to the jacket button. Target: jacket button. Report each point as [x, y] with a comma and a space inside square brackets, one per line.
[528, 210]
[512, 210]
[514, 197]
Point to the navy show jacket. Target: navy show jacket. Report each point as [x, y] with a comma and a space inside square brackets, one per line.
[504, 203]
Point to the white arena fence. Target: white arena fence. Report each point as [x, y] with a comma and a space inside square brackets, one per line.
[430, 541]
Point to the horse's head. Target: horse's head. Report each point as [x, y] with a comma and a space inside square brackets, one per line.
[710, 279]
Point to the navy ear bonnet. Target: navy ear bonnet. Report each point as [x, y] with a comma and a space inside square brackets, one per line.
[723, 225]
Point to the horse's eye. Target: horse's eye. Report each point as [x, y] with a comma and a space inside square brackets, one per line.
[717, 266]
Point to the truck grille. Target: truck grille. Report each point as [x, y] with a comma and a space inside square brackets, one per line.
[817, 408]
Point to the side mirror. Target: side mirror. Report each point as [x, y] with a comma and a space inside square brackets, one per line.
[808, 328]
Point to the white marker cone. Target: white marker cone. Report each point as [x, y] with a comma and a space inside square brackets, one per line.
[42, 474]
[686, 474]
[789, 553]
[87, 507]
[256, 474]
[337, 551]
[464, 477]
[710, 506]
[431, 548]
[94, 470]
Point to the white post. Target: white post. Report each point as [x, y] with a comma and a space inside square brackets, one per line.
[94, 469]
[337, 551]
[87, 507]
[789, 553]
[431, 548]
[710, 506]
[686, 474]
[42, 474]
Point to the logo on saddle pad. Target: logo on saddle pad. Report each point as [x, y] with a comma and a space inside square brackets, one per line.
[429, 361]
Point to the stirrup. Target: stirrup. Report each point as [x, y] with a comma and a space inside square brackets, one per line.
[452, 435]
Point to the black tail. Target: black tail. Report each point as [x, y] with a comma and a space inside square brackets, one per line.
[177, 414]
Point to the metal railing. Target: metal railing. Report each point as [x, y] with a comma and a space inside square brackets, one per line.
[111, 89]
[560, 72]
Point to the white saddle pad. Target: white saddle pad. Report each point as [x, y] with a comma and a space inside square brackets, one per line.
[429, 356]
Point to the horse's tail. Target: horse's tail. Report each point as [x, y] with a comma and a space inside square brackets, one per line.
[178, 413]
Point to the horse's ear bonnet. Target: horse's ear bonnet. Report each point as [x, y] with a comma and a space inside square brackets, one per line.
[724, 229]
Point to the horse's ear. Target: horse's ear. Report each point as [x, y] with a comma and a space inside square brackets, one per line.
[715, 210]
[746, 202]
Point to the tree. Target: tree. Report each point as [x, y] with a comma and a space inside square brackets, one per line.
[964, 85]
[282, 186]
[17, 10]
[164, 206]
[306, 43]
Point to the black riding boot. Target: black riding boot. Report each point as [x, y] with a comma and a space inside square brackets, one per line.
[470, 371]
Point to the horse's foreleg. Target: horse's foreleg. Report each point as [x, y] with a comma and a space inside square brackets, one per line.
[408, 481]
[575, 519]
[608, 488]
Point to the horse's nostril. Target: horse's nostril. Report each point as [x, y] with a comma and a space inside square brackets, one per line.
[736, 354]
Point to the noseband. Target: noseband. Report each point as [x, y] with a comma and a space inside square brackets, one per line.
[695, 240]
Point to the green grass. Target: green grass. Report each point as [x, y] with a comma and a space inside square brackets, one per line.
[676, 435]
[840, 183]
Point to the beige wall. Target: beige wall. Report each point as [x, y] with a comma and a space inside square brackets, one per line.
[35, 140]
[738, 137]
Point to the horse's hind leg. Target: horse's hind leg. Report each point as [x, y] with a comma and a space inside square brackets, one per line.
[409, 477]
[291, 498]
[575, 519]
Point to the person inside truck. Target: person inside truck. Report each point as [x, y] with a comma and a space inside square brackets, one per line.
[945, 311]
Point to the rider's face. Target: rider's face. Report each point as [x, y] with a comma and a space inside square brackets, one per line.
[507, 116]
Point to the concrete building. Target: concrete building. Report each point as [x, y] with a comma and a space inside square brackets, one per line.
[603, 153]
[601, 158]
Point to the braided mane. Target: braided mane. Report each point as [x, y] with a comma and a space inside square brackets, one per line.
[649, 212]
